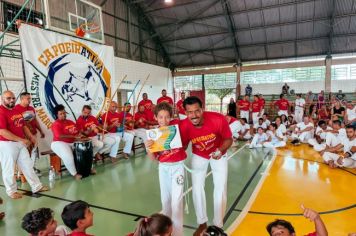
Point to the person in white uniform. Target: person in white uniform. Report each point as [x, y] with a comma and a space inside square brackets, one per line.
[348, 157]
[318, 142]
[299, 108]
[244, 133]
[259, 139]
[14, 148]
[275, 139]
[350, 116]
[303, 131]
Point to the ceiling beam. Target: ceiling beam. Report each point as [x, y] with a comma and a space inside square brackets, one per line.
[154, 36]
[230, 22]
[331, 32]
[242, 11]
[173, 6]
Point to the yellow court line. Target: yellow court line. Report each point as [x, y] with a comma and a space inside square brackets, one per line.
[291, 181]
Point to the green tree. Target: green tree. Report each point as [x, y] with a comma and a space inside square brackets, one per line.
[221, 94]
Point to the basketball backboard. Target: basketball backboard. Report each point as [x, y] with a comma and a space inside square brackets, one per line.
[67, 16]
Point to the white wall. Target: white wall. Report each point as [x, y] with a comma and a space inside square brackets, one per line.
[347, 86]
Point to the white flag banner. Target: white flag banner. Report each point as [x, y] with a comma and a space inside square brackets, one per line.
[60, 69]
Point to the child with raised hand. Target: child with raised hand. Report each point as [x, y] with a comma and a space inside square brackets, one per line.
[78, 217]
[155, 225]
[171, 171]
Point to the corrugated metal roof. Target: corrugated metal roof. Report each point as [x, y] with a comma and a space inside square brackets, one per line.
[205, 32]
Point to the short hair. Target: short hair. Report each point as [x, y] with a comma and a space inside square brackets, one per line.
[192, 100]
[164, 90]
[127, 103]
[163, 106]
[58, 108]
[86, 107]
[321, 122]
[73, 212]
[350, 126]
[244, 119]
[260, 119]
[37, 220]
[337, 122]
[281, 96]
[274, 125]
[265, 114]
[24, 94]
[259, 128]
[279, 222]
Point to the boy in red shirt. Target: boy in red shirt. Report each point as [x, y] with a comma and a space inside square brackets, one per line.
[283, 105]
[171, 172]
[244, 107]
[210, 135]
[78, 217]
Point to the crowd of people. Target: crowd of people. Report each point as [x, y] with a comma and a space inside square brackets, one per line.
[210, 134]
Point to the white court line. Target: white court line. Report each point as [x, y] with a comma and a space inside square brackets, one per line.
[248, 205]
[207, 175]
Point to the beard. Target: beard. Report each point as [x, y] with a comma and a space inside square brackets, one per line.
[10, 105]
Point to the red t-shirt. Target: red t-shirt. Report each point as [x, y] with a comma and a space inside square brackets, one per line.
[207, 138]
[262, 102]
[64, 127]
[11, 120]
[282, 104]
[256, 106]
[79, 234]
[141, 120]
[146, 103]
[173, 155]
[84, 123]
[129, 124]
[244, 105]
[180, 107]
[150, 115]
[28, 113]
[110, 119]
[231, 119]
[165, 99]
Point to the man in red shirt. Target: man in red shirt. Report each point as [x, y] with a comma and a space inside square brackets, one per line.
[180, 108]
[244, 106]
[283, 105]
[14, 148]
[29, 115]
[89, 126]
[256, 108]
[165, 98]
[211, 137]
[262, 102]
[147, 103]
[130, 123]
[113, 123]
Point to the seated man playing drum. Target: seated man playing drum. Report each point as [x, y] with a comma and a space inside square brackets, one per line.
[65, 133]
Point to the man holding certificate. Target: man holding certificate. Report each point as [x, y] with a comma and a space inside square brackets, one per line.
[211, 137]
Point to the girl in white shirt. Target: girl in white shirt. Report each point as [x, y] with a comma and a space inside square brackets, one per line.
[274, 139]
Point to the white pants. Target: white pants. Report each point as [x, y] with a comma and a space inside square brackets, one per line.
[283, 112]
[303, 137]
[255, 117]
[182, 117]
[171, 181]
[219, 170]
[274, 144]
[97, 144]
[12, 153]
[114, 140]
[34, 155]
[298, 115]
[128, 139]
[245, 114]
[65, 152]
[347, 162]
[141, 133]
[235, 127]
[317, 147]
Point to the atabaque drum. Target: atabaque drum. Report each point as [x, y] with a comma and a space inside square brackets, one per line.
[83, 157]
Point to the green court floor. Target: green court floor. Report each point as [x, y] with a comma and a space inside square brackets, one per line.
[121, 193]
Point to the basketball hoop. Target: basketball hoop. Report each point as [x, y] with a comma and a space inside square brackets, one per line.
[84, 28]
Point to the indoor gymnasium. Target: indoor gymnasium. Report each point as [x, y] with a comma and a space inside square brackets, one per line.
[178, 117]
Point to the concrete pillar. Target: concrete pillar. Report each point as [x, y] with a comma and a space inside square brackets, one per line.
[238, 81]
[328, 60]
